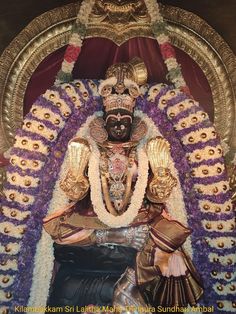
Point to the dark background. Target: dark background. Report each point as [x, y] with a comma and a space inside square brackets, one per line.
[16, 14]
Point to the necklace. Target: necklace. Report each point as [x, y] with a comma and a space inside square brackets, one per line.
[116, 178]
[110, 218]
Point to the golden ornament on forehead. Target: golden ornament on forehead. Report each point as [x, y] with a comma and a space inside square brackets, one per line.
[114, 101]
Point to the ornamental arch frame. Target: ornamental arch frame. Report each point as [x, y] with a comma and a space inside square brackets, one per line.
[51, 30]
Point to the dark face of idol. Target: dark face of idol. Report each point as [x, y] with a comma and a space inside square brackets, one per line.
[118, 124]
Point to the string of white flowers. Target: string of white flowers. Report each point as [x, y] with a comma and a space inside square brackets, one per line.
[43, 267]
[162, 37]
[96, 190]
[84, 11]
[153, 11]
[175, 203]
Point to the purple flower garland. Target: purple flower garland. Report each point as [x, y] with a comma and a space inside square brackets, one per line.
[201, 249]
[49, 174]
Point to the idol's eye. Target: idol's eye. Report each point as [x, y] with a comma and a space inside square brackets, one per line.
[112, 121]
[126, 120]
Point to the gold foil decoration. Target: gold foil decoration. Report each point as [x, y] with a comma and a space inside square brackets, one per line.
[79, 153]
[75, 184]
[162, 183]
[158, 152]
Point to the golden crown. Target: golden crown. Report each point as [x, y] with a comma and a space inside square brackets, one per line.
[115, 101]
[121, 77]
[134, 70]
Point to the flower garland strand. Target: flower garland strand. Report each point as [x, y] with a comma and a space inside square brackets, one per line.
[160, 32]
[20, 263]
[75, 43]
[210, 215]
[96, 190]
[42, 275]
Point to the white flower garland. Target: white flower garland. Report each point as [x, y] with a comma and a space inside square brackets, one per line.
[43, 270]
[84, 12]
[175, 203]
[96, 190]
[153, 10]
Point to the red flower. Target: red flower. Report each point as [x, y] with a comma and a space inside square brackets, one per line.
[167, 51]
[72, 53]
[185, 89]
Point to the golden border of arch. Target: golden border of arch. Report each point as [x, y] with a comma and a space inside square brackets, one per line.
[51, 31]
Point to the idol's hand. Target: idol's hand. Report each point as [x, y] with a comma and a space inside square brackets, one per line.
[127, 298]
[135, 237]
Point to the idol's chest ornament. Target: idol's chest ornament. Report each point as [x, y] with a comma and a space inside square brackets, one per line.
[116, 167]
[116, 192]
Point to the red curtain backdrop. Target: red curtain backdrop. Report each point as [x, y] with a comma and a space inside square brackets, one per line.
[98, 54]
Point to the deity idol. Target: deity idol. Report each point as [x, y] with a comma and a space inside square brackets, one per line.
[128, 180]
[116, 242]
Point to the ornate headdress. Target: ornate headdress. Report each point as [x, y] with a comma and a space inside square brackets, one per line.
[121, 87]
